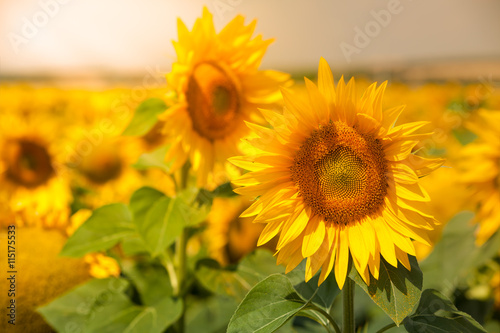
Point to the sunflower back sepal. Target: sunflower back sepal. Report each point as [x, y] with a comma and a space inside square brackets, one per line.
[397, 289]
[145, 117]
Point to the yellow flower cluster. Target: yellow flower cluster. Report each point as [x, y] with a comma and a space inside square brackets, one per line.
[335, 170]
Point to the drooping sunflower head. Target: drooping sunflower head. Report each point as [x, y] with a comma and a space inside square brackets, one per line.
[337, 179]
[480, 169]
[219, 86]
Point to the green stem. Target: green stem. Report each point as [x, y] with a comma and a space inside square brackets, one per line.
[181, 255]
[348, 306]
[385, 328]
[168, 262]
[330, 319]
[181, 276]
[184, 175]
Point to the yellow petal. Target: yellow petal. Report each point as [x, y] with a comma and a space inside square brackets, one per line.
[318, 103]
[314, 236]
[269, 232]
[342, 259]
[293, 227]
[326, 84]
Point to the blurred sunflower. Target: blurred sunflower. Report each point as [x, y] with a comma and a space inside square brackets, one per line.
[219, 86]
[34, 188]
[106, 172]
[480, 168]
[336, 176]
[229, 236]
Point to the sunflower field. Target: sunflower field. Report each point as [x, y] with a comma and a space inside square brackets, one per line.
[237, 198]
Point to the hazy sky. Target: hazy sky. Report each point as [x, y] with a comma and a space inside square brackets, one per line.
[127, 36]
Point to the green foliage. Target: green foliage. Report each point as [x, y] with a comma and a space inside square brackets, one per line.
[236, 280]
[160, 220]
[105, 228]
[154, 159]
[267, 307]
[145, 116]
[142, 200]
[455, 255]
[163, 223]
[322, 296]
[195, 205]
[150, 279]
[396, 291]
[210, 314]
[102, 306]
[436, 313]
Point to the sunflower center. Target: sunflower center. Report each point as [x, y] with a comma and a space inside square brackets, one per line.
[213, 102]
[341, 173]
[102, 165]
[28, 163]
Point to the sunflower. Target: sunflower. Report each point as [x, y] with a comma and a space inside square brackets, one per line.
[480, 167]
[336, 178]
[34, 189]
[99, 158]
[230, 237]
[219, 86]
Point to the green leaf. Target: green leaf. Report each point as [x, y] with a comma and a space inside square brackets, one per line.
[106, 227]
[134, 245]
[463, 135]
[100, 306]
[453, 257]
[141, 202]
[224, 191]
[145, 116]
[121, 315]
[436, 313]
[195, 205]
[71, 312]
[209, 315]
[150, 280]
[164, 222]
[267, 307]
[396, 291]
[237, 280]
[154, 159]
[324, 295]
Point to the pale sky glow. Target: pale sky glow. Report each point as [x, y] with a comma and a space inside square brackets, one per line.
[122, 37]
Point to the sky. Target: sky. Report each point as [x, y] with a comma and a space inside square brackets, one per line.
[128, 37]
